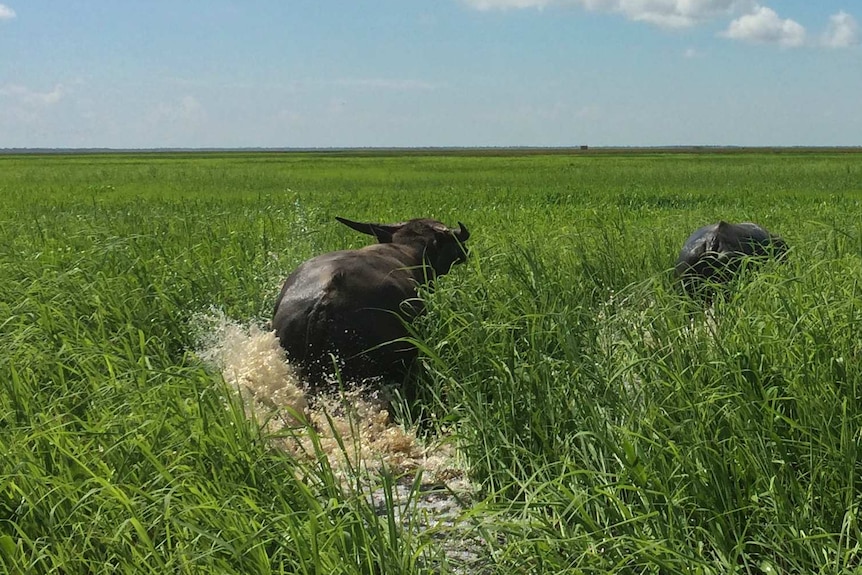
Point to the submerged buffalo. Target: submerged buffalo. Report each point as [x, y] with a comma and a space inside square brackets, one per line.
[714, 253]
[352, 304]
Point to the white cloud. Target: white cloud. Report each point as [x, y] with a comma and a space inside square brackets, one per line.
[757, 24]
[23, 95]
[6, 13]
[843, 31]
[506, 4]
[665, 13]
[764, 26]
[27, 112]
[395, 85]
[186, 110]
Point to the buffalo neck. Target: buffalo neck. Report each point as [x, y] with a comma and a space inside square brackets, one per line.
[419, 257]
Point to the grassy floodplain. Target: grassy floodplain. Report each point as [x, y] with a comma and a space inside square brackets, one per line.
[610, 426]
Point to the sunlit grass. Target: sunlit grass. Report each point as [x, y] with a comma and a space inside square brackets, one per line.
[607, 423]
[625, 429]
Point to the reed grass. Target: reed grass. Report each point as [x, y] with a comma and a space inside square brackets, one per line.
[609, 424]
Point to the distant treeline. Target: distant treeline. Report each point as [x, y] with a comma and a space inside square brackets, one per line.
[448, 151]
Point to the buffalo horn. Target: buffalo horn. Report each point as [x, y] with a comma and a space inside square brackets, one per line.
[463, 234]
[383, 232]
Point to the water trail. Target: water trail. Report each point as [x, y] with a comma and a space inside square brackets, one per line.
[252, 363]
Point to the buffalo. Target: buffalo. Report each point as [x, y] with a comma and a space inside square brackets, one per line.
[353, 305]
[713, 254]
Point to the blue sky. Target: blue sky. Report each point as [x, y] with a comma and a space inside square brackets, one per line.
[326, 73]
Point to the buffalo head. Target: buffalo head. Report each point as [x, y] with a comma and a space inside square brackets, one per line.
[441, 246]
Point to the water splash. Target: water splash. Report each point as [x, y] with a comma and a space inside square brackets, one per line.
[252, 363]
[353, 428]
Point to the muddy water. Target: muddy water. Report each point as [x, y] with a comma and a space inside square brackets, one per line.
[252, 363]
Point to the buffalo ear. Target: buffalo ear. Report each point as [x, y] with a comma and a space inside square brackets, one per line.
[383, 232]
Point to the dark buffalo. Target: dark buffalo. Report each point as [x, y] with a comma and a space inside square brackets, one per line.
[352, 304]
[714, 253]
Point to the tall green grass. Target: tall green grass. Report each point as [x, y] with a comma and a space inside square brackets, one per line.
[618, 427]
[609, 424]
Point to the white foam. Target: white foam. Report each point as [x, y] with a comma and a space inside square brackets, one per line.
[252, 363]
[353, 428]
